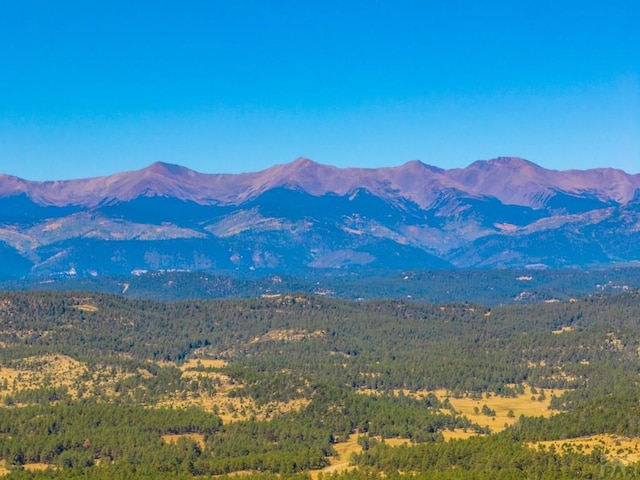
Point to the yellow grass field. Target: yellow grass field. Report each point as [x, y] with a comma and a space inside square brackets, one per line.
[229, 409]
[30, 467]
[520, 405]
[340, 462]
[344, 450]
[173, 438]
[195, 363]
[86, 308]
[34, 467]
[37, 372]
[621, 449]
[457, 434]
[61, 370]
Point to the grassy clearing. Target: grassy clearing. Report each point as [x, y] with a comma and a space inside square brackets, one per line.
[621, 449]
[229, 409]
[527, 404]
[60, 370]
[86, 308]
[342, 460]
[199, 363]
[38, 372]
[288, 335]
[173, 438]
[29, 467]
[457, 434]
[234, 409]
[395, 442]
[36, 467]
[563, 330]
[407, 393]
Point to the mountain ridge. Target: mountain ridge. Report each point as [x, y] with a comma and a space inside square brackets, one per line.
[506, 212]
[525, 181]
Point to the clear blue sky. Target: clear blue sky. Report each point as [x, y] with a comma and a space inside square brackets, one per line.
[90, 88]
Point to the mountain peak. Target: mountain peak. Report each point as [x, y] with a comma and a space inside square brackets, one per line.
[303, 162]
[505, 162]
[418, 165]
[166, 169]
[302, 173]
[415, 163]
[300, 166]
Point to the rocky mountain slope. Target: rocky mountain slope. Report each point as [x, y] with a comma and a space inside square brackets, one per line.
[506, 212]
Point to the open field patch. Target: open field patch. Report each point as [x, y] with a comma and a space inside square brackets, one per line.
[208, 388]
[233, 409]
[38, 372]
[289, 335]
[37, 467]
[344, 450]
[86, 308]
[498, 412]
[219, 399]
[202, 363]
[563, 330]
[458, 434]
[615, 448]
[174, 438]
[341, 461]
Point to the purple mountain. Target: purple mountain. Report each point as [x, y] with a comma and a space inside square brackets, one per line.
[506, 212]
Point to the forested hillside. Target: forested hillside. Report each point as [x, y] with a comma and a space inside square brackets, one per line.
[488, 287]
[98, 386]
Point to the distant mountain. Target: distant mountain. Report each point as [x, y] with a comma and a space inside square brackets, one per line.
[506, 212]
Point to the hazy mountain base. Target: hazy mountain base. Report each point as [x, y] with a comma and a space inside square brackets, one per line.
[322, 354]
[487, 287]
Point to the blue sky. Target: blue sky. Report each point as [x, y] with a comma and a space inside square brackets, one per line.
[92, 88]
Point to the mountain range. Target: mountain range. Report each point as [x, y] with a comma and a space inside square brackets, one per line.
[501, 213]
